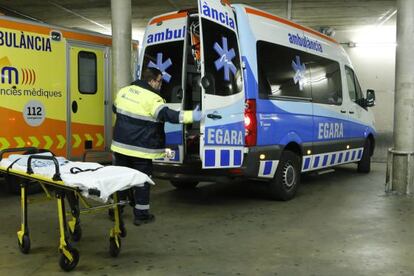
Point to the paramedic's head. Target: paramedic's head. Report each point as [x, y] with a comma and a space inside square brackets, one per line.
[153, 77]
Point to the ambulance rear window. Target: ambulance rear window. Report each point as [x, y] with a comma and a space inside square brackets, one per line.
[221, 58]
[168, 58]
[87, 72]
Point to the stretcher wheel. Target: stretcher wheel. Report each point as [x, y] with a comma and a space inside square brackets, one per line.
[123, 233]
[77, 233]
[25, 245]
[114, 250]
[66, 264]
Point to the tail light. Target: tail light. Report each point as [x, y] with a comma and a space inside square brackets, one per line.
[250, 123]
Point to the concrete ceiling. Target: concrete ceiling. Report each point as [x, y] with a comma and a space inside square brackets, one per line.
[95, 15]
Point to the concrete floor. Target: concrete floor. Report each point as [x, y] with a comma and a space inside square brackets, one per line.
[339, 224]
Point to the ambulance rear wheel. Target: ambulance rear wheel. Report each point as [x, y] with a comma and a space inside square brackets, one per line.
[287, 177]
[364, 165]
[184, 185]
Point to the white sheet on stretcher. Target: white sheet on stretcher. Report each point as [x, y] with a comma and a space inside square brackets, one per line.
[107, 179]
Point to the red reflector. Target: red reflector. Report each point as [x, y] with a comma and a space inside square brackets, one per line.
[235, 171]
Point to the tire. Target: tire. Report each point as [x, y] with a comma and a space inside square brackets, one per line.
[286, 181]
[184, 185]
[67, 265]
[25, 245]
[364, 165]
[114, 250]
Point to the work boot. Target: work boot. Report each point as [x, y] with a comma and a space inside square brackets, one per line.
[144, 219]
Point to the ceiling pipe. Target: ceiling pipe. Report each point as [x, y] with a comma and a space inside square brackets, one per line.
[289, 9]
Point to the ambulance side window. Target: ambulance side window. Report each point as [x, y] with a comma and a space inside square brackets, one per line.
[354, 89]
[326, 81]
[221, 58]
[87, 72]
[283, 72]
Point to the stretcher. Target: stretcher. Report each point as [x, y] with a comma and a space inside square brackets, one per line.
[76, 181]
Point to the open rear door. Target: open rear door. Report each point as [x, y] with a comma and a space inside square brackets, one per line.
[222, 129]
[164, 49]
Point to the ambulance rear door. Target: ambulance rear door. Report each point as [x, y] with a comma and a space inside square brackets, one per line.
[86, 97]
[163, 48]
[223, 102]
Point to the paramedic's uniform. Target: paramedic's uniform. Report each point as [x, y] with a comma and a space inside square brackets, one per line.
[139, 133]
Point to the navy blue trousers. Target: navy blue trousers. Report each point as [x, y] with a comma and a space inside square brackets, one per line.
[141, 195]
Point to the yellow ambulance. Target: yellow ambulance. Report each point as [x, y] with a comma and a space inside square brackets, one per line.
[54, 88]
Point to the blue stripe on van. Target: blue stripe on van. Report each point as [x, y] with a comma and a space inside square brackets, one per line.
[225, 158]
[360, 154]
[237, 158]
[340, 157]
[347, 156]
[353, 155]
[210, 156]
[325, 160]
[333, 158]
[268, 168]
[307, 163]
[316, 162]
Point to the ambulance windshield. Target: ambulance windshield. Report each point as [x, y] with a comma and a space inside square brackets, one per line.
[168, 58]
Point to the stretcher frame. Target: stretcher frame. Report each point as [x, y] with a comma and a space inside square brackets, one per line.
[69, 256]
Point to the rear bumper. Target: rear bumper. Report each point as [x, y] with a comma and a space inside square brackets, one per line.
[191, 168]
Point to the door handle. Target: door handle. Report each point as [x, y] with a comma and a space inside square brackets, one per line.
[343, 111]
[351, 112]
[214, 116]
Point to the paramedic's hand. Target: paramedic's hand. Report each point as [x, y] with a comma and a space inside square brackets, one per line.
[197, 114]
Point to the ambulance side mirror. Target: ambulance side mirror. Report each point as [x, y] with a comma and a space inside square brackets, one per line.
[207, 82]
[370, 100]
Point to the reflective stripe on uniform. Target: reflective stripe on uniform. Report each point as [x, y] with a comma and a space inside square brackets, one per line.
[135, 116]
[186, 117]
[137, 151]
[142, 207]
[144, 150]
[181, 117]
[158, 109]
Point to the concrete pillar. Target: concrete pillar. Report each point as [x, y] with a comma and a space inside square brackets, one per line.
[402, 171]
[121, 44]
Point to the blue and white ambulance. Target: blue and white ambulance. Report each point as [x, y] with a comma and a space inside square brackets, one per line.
[278, 99]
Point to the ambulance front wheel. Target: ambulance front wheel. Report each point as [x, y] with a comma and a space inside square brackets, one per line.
[184, 185]
[364, 165]
[287, 177]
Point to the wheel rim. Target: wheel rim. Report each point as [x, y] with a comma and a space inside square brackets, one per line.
[289, 175]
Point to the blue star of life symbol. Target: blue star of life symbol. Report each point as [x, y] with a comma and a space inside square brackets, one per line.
[224, 61]
[300, 71]
[162, 66]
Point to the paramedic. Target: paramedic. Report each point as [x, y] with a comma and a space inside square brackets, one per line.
[139, 136]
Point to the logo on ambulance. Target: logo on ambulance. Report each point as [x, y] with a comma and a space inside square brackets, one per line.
[300, 71]
[10, 75]
[225, 59]
[162, 66]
